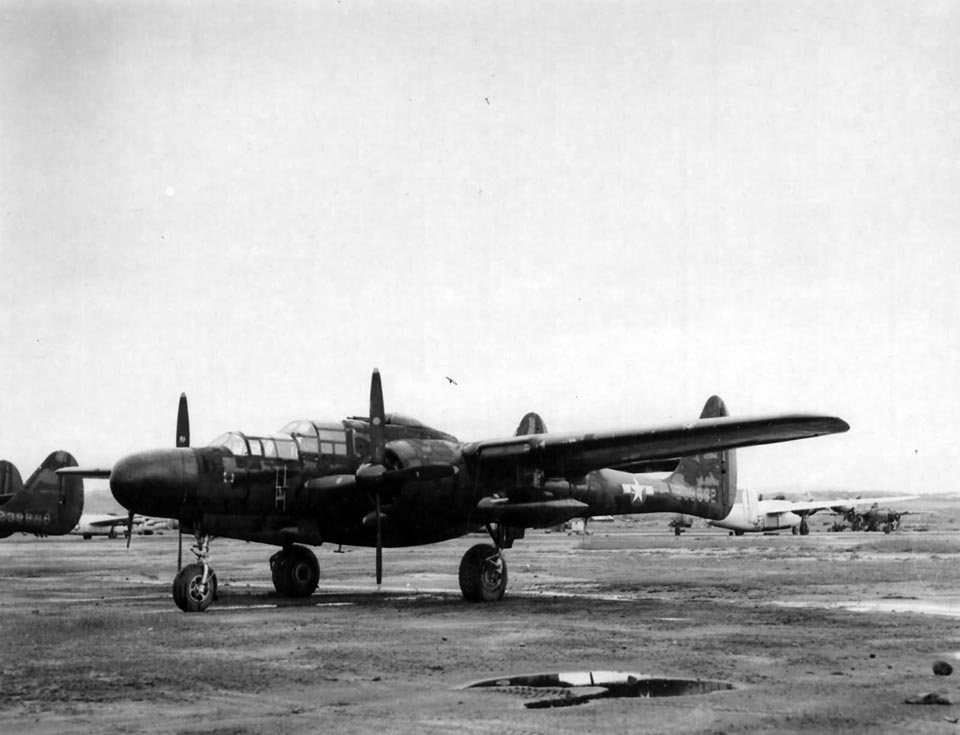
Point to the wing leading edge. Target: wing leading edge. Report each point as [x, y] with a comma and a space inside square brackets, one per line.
[576, 454]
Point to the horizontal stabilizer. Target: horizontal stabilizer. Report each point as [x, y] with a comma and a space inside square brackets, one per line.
[649, 465]
[91, 474]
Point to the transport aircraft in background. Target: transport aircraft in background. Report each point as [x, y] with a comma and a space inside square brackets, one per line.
[751, 512]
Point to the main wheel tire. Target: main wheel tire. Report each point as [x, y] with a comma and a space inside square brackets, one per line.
[189, 591]
[804, 528]
[483, 574]
[296, 572]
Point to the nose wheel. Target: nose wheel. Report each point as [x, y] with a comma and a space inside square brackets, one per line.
[195, 585]
[194, 588]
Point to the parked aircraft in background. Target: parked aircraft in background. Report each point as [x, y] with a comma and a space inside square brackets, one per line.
[751, 513]
[386, 480]
[46, 505]
[680, 523]
[112, 525]
[99, 524]
[874, 518]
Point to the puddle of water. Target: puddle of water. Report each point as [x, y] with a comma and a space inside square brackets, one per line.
[565, 689]
[925, 607]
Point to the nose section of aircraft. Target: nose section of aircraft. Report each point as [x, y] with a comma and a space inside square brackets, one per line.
[155, 483]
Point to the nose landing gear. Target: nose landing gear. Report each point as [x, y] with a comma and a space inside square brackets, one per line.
[195, 586]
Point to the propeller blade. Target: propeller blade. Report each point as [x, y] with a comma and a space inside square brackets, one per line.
[379, 543]
[332, 482]
[377, 420]
[424, 472]
[369, 476]
[129, 528]
[183, 423]
[376, 476]
[183, 440]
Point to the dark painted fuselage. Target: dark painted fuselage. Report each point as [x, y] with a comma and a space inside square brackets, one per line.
[298, 487]
[257, 488]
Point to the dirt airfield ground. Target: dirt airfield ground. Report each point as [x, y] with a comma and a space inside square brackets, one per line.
[824, 633]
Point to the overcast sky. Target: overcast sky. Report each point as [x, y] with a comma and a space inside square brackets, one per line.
[603, 211]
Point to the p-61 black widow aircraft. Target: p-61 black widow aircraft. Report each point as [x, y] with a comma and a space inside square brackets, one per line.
[46, 505]
[386, 480]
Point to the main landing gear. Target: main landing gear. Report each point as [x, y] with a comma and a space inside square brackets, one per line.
[195, 585]
[483, 570]
[296, 571]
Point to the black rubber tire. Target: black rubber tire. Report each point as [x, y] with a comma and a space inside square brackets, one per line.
[189, 594]
[804, 528]
[296, 572]
[483, 574]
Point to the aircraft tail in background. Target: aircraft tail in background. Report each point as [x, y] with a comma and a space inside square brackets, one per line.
[531, 424]
[706, 483]
[46, 504]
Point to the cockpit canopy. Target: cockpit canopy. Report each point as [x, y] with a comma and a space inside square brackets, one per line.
[318, 438]
[334, 441]
[241, 445]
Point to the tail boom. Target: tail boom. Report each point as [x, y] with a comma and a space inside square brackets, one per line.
[45, 505]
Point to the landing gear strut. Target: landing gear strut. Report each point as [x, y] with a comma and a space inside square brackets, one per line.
[483, 574]
[296, 571]
[195, 586]
[483, 570]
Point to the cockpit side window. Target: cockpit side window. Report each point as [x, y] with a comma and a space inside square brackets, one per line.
[269, 448]
[255, 448]
[333, 442]
[286, 449]
[308, 444]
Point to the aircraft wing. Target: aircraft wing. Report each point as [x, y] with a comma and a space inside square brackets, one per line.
[576, 454]
[106, 521]
[814, 505]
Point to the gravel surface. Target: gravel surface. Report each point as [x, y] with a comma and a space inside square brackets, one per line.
[823, 633]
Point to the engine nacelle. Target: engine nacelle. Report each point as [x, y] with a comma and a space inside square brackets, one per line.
[405, 453]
